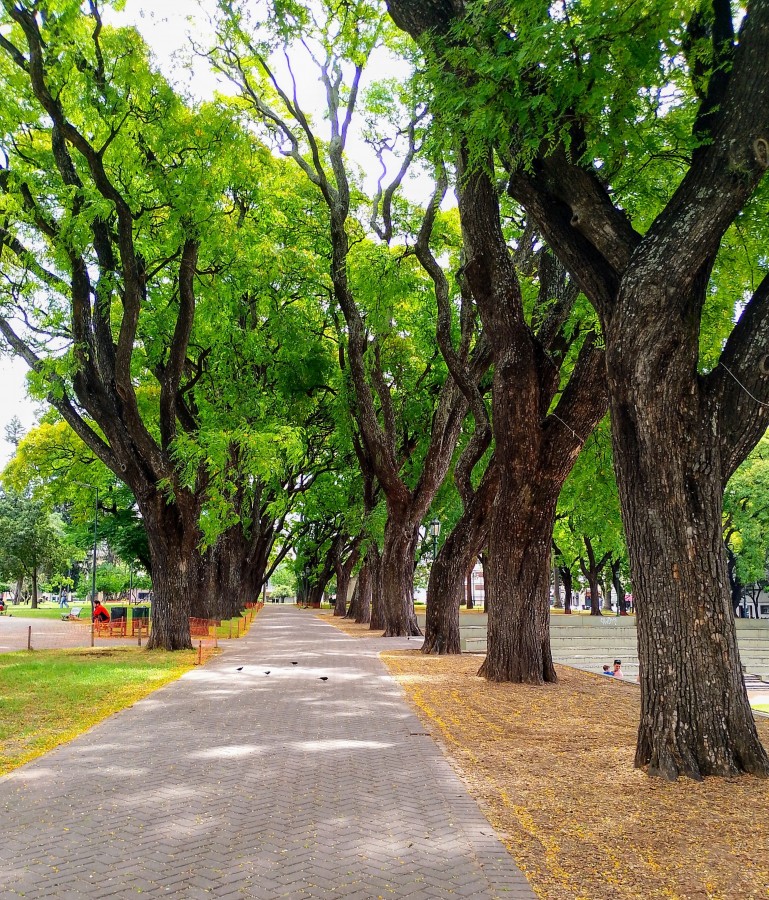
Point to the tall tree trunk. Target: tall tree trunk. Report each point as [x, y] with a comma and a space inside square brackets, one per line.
[456, 556]
[591, 569]
[376, 621]
[398, 574]
[177, 571]
[343, 568]
[695, 715]
[736, 588]
[619, 588]
[568, 588]
[444, 596]
[176, 578]
[607, 592]
[520, 538]
[557, 602]
[469, 603]
[484, 558]
[353, 609]
[363, 613]
[34, 587]
[535, 447]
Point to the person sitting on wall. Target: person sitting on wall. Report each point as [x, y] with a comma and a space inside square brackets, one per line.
[100, 612]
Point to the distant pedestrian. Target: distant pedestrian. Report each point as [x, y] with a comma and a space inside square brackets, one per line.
[617, 673]
[607, 671]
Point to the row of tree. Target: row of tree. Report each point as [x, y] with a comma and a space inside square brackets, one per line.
[270, 358]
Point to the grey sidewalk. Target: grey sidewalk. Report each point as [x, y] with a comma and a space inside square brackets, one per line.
[242, 784]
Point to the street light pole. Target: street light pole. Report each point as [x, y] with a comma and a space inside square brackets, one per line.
[93, 574]
[95, 538]
[435, 530]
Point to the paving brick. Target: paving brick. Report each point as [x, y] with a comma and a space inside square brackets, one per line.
[229, 784]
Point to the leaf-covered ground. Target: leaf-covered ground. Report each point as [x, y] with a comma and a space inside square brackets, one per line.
[552, 768]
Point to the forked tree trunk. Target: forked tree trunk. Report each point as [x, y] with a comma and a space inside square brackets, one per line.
[447, 577]
[398, 575]
[695, 715]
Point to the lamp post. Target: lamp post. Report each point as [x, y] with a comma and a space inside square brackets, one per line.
[435, 530]
[93, 574]
[95, 536]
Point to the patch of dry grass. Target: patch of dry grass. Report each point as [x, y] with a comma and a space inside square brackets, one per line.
[347, 625]
[552, 767]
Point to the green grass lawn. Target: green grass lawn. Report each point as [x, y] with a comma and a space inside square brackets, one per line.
[761, 707]
[50, 696]
[42, 612]
[54, 611]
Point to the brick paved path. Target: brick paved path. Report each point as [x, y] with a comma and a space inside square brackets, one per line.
[241, 784]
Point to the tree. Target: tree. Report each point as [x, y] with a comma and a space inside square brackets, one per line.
[55, 466]
[746, 522]
[128, 238]
[409, 467]
[687, 99]
[588, 532]
[14, 431]
[283, 580]
[108, 184]
[31, 541]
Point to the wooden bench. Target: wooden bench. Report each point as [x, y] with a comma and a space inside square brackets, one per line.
[113, 628]
[140, 621]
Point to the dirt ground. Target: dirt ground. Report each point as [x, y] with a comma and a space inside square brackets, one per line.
[552, 768]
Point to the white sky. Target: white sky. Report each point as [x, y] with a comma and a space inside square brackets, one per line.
[165, 25]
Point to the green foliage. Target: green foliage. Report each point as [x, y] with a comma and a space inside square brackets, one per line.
[746, 515]
[589, 505]
[31, 539]
[283, 581]
[60, 471]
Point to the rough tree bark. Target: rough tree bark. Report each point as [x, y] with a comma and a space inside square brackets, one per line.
[619, 588]
[568, 587]
[343, 566]
[449, 571]
[469, 600]
[678, 434]
[105, 284]
[591, 569]
[535, 448]
[376, 619]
